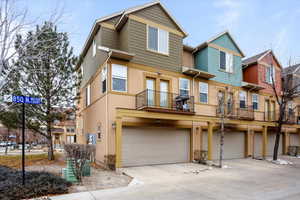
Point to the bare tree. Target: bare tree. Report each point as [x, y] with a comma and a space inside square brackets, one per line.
[289, 90]
[12, 22]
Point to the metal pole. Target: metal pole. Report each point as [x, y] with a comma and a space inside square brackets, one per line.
[23, 143]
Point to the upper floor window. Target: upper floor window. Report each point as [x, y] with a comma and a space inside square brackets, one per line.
[184, 86]
[119, 78]
[104, 79]
[255, 101]
[203, 89]
[94, 47]
[270, 74]
[81, 69]
[226, 61]
[243, 99]
[88, 95]
[158, 40]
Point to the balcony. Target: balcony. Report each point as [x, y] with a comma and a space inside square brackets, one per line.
[157, 101]
[289, 118]
[235, 111]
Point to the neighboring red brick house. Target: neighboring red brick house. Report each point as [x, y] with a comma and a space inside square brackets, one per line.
[258, 70]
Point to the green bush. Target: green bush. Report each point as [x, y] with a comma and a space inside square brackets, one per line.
[37, 184]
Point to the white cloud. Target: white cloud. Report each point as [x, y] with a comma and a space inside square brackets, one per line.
[230, 14]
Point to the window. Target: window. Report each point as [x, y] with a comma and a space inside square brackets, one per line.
[119, 78]
[158, 40]
[71, 139]
[270, 74]
[226, 61]
[255, 101]
[81, 69]
[243, 99]
[88, 95]
[184, 86]
[203, 89]
[104, 78]
[94, 47]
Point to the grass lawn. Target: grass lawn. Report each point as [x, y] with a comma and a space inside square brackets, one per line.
[15, 161]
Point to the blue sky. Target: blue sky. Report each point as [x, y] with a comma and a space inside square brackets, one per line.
[255, 25]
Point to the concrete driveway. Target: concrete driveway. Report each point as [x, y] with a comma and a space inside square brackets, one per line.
[245, 179]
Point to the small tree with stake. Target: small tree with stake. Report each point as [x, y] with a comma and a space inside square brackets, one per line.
[289, 90]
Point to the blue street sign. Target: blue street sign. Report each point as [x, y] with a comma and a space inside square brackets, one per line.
[27, 100]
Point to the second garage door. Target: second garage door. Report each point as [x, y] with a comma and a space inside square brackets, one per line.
[294, 139]
[149, 146]
[234, 145]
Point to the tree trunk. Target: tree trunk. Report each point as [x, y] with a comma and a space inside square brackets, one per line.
[277, 140]
[50, 148]
[6, 145]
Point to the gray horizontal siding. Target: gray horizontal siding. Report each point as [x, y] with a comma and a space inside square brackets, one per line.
[109, 38]
[156, 14]
[138, 45]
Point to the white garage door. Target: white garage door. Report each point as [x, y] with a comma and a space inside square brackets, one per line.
[257, 146]
[294, 139]
[148, 146]
[271, 143]
[234, 145]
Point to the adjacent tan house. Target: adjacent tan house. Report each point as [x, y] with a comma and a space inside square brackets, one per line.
[145, 100]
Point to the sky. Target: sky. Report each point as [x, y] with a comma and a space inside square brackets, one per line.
[254, 24]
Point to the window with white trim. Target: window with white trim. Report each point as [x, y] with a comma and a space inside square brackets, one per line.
[88, 95]
[203, 90]
[119, 78]
[255, 101]
[226, 61]
[184, 86]
[104, 79]
[158, 40]
[81, 69]
[243, 99]
[94, 47]
[270, 74]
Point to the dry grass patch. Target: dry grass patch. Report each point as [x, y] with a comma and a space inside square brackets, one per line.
[15, 161]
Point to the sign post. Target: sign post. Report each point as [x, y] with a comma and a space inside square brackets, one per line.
[24, 100]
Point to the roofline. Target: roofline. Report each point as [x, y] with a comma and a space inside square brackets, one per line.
[217, 36]
[270, 51]
[124, 12]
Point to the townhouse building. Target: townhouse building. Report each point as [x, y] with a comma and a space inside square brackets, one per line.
[146, 98]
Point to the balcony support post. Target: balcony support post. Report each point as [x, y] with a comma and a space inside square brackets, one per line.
[118, 138]
[265, 141]
[210, 140]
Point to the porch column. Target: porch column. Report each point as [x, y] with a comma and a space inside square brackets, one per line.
[210, 129]
[286, 142]
[118, 145]
[265, 141]
[249, 143]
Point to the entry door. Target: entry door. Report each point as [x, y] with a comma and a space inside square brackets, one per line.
[267, 113]
[272, 110]
[150, 84]
[164, 89]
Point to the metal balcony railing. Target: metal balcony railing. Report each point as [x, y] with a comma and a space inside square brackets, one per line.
[164, 102]
[236, 111]
[290, 117]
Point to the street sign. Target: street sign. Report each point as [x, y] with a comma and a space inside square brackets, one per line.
[22, 99]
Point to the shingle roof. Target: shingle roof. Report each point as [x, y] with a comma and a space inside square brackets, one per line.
[254, 58]
[291, 69]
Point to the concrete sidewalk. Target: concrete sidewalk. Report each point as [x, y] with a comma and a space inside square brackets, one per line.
[245, 179]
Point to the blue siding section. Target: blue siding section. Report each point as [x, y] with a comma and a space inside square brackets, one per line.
[225, 41]
[201, 61]
[208, 59]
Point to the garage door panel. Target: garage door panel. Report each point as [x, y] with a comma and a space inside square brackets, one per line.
[234, 145]
[271, 143]
[257, 145]
[146, 146]
[294, 139]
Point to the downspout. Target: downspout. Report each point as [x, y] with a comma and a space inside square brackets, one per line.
[106, 100]
[193, 84]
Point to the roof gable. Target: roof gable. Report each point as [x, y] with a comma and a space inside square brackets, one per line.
[259, 57]
[223, 39]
